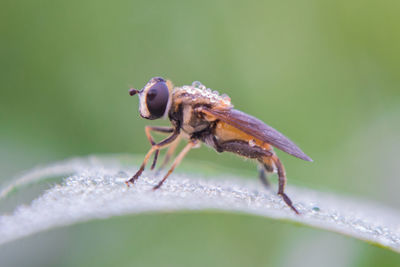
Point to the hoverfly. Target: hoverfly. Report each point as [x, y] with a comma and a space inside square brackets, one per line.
[199, 114]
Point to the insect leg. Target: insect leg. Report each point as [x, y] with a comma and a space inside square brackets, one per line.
[282, 182]
[243, 148]
[170, 152]
[153, 148]
[160, 129]
[265, 166]
[263, 175]
[176, 162]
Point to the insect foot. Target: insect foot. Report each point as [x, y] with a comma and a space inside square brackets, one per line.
[134, 177]
[289, 202]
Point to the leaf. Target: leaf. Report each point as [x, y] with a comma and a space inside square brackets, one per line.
[95, 189]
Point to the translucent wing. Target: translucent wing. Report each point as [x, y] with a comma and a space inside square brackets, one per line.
[258, 129]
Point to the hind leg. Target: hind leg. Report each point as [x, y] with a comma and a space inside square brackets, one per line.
[282, 182]
[267, 158]
[243, 148]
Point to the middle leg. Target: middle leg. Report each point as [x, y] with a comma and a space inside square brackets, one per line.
[169, 153]
[176, 162]
[262, 174]
[265, 167]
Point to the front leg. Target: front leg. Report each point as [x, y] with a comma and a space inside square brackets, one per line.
[153, 148]
[160, 129]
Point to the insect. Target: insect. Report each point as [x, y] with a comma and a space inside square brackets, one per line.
[201, 115]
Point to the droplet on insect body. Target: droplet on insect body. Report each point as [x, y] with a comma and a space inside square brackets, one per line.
[196, 84]
[252, 142]
[226, 97]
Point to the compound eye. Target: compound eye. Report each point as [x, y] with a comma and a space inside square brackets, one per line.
[157, 99]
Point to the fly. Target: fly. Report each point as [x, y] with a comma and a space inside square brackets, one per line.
[201, 115]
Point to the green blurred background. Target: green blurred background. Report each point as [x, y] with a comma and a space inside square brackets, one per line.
[325, 73]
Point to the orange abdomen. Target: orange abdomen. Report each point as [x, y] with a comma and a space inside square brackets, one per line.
[225, 132]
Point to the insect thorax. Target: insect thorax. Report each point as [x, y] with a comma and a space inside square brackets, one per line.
[197, 93]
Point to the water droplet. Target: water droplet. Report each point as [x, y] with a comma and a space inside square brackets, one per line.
[317, 209]
[226, 97]
[197, 84]
[252, 142]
